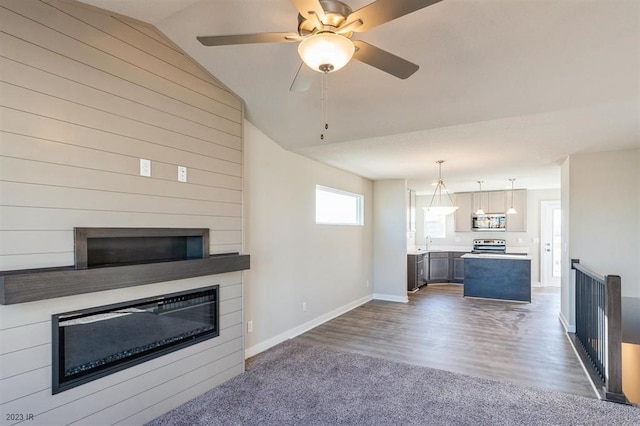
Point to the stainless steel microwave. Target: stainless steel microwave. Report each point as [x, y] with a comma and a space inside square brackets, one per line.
[489, 222]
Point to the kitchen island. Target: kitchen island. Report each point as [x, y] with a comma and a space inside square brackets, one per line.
[497, 276]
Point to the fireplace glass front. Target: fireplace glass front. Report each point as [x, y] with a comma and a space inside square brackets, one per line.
[93, 343]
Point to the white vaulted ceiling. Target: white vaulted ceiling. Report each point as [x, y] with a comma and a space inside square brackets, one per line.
[506, 88]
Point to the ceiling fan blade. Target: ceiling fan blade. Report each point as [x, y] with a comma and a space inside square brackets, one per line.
[305, 6]
[351, 26]
[316, 20]
[383, 60]
[225, 40]
[303, 78]
[382, 11]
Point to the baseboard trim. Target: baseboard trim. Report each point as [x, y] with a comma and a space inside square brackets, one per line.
[296, 331]
[391, 298]
[584, 361]
[565, 323]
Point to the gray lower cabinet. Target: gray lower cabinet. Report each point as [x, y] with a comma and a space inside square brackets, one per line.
[458, 267]
[438, 267]
[445, 267]
[415, 271]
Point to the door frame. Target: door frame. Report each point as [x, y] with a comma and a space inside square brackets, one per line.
[546, 237]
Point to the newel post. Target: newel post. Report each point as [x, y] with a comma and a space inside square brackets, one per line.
[613, 339]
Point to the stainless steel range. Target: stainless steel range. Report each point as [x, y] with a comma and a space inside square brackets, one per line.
[495, 246]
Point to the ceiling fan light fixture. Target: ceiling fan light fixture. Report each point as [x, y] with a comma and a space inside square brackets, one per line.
[326, 51]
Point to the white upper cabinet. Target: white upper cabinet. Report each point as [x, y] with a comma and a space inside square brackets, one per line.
[480, 200]
[462, 216]
[497, 203]
[491, 202]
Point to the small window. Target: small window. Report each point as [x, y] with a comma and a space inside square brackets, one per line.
[435, 226]
[336, 207]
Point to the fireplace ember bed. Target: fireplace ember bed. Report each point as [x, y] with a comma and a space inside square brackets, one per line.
[96, 342]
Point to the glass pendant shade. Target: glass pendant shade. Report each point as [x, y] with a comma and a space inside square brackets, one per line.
[440, 210]
[511, 211]
[326, 51]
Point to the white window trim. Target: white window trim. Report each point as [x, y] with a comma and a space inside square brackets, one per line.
[359, 206]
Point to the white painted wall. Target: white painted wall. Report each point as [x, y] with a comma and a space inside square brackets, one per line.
[293, 260]
[602, 191]
[567, 280]
[604, 233]
[390, 240]
[529, 240]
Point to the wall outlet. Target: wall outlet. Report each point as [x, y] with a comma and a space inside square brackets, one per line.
[249, 326]
[304, 306]
[457, 239]
[145, 167]
[519, 240]
[367, 283]
[182, 174]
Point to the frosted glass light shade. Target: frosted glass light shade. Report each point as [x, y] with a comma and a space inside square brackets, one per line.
[440, 210]
[479, 212]
[326, 49]
[511, 211]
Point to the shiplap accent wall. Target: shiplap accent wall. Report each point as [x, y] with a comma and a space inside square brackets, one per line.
[84, 95]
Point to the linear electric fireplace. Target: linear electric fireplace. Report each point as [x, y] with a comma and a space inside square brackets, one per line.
[95, 342]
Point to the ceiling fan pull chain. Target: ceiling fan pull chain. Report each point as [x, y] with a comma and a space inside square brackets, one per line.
[324, 98]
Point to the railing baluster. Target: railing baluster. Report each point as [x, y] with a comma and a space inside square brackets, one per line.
[599, 326]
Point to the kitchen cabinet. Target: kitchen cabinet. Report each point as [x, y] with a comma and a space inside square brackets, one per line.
[457, 273]
[496, 203]
[446, 267]
[462, 216]
[439, 267]
[507, 278]
[490, 201]
[415, 271]
[480, 200]
[517, 222]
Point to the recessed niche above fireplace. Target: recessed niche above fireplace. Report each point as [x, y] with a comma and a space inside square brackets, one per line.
[102, 247]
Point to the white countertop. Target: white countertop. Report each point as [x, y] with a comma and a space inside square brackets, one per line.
[421, 250]
[464, 249]
[496, 256]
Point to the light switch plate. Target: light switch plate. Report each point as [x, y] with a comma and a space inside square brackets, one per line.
[145, 167]
[182, 174]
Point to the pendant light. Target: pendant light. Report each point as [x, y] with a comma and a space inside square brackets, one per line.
[480, 211]
[440, 209]
[511, 209]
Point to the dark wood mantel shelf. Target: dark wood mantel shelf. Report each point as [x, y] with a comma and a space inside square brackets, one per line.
[39, 284]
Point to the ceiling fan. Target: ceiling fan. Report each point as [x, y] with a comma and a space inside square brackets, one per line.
[325, 28]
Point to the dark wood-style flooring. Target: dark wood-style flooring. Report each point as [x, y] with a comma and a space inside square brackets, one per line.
[516, 342]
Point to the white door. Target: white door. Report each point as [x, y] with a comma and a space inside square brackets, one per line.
[550, 244]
